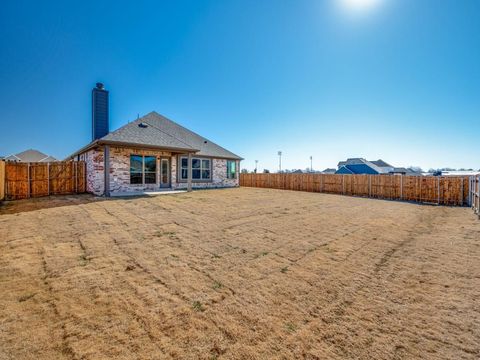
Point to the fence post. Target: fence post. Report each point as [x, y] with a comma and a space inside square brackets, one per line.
[28, 180]
[2, 180]
[343, 184]
[461, 191]
[420, 195]
[75, 172]
[469, 190]
[401, 187]
[48, 178]
[477, 180]
[438, 190]
[470, 183]
[369, 186]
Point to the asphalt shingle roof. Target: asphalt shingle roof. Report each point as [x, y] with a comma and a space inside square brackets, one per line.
[381, 163]
[156, 130]
[31, 155]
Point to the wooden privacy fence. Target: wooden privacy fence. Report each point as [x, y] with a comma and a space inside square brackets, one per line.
[475, 194]
[423, 189]
[2, 180]
[25, 180]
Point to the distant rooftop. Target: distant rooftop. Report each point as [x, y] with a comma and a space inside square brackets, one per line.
[30, 155]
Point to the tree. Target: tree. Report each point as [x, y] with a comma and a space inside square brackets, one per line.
[244, 171]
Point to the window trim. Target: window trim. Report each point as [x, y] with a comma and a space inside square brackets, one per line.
[143, 170]
[179, 169]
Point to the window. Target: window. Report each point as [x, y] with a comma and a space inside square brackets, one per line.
[201, 169]
[231, 169]
[143, 169]
[150, 169]
[136, 169]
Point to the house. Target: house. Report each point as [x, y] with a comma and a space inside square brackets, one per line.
[151, 153]
[355, 166]
[362, 166]
[329, 171]
[30, 155]
[460, 173]
[404, 171]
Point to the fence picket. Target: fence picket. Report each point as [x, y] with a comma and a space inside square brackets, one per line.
[25, 180]
[458, 191]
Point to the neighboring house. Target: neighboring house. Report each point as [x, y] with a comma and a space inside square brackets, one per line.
[329, 171]
[460, 173]
[362, 166]
[151, 153]
[405, 171]
[30, 156]
[385, 167]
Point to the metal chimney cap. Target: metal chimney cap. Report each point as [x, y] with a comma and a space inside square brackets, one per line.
[100, 86]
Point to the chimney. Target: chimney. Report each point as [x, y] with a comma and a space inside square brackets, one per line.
[99, 112]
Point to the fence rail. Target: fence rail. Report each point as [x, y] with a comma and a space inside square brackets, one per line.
[475, 194]
[423, 189]
[26, 180]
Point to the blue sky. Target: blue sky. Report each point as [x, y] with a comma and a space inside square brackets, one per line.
[400, 81]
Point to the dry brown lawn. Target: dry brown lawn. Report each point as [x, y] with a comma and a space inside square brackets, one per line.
[238, 274]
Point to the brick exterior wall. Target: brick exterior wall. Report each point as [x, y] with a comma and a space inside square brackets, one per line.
[120, 169]
[120, 172]
[94, 166]
[219, 176]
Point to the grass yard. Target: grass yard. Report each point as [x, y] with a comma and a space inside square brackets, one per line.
[238, 274]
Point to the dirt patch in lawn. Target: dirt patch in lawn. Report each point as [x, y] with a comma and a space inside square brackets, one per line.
[238, 274]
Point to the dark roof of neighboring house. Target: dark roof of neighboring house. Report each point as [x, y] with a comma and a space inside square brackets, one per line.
[405, 171]
[357, 169]
[30, 155]
[351, 161]
[365, 167]
[343, 170]
[156, 131]
[381, 163]
[329, 171]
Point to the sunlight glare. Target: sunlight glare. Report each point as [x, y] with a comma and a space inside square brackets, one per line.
[359, 5]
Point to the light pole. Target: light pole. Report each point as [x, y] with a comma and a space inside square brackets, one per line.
[256, 166]
[311, 163]
[279, 161]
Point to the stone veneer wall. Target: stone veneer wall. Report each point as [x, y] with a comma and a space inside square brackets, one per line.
[94, 166]
[120, 171]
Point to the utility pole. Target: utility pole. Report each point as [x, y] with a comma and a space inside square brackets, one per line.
[279, 161]
[256, 166]
[311, 163]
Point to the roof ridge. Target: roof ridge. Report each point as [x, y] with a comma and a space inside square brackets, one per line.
[374, 166]
[163, 131]
[190, 131]
[143, 119]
